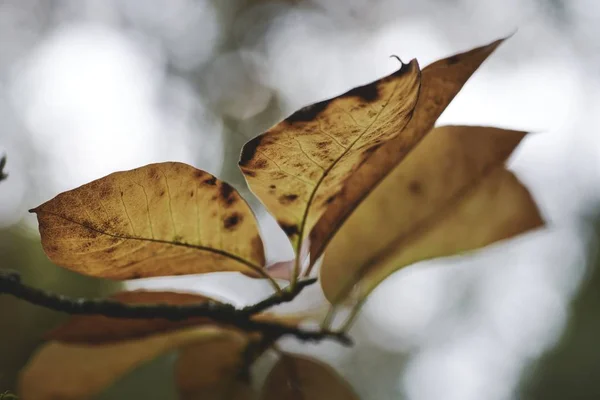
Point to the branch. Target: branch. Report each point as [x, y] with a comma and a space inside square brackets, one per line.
[10, 283]
[3, 175]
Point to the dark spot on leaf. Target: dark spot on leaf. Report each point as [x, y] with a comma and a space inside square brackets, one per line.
[249, 150]
[287, 198]
[330, 199]
[135, 275]
[308, 113]
[272, 186]
[372, 148]
[191, 193]
[415, 187]
[260, 163]
[453, 59]
[198, 173]
[162, 193]
[212, 181]
[322, 145]
[232, 221]
[153, 173]
[367, 93]
[227, 194]
[250, 173]
[111, 250]
[289, 229]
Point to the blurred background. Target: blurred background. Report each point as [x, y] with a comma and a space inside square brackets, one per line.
[88, 87]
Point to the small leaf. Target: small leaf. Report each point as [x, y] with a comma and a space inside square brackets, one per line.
[301, 378]
[97, 329]
[74, 371]
[451, 194]
[157, 220]
[299, 166]
[210, 370]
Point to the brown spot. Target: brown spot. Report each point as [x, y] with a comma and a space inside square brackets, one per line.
[287, 198]
[227, 193]
[191, 193]
[212, 181]
[249, 150]
[232, 222]
[330, 199]
[372, 149]
[111, 250]
[453, 59]
[289, 229]
[105, 192]
[162, 193]
[153, 173]
[136, 275]
[250, 173]
[322, 145]
[260, 163]
[415, 187]
[198, 173]
[366, 93]
[308, 113]
[272, 186]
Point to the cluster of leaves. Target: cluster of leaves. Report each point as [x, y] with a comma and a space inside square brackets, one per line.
[344, 175]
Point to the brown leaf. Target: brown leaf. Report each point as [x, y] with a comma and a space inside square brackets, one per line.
[73, 371]
[209, 370]
[440, 82]
[450, 195]
[296, 377]
[97, 329]
[157, 220]
[298, 167]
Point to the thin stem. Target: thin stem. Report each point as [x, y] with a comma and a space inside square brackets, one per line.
[10, 283]
[280, 297]
[351, 318]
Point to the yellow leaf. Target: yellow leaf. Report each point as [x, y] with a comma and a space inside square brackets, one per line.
[209, 371]
[451, 194]
[299, 166]
[440, 82]
[74, 371]
[314, 168]
[97, 329]
[161, 219]
[301, 378]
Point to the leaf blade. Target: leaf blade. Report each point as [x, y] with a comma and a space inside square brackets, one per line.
[161, 219]
[440, 83]
[302, 378]
[450, 173]
[324, 143]
[75, 371]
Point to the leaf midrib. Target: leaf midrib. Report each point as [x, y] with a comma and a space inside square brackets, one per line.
[224, 253]
[326, 172]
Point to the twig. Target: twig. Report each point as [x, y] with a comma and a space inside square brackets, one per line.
[10, 283]
[3, 175]
[284, 296]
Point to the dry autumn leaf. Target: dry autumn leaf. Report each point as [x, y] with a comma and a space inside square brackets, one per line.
[302, 378]
[314, 168]
[298, 167]
[440, 82]
[70, 371]
[161, 219]
[209, 371]
[451, 194]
